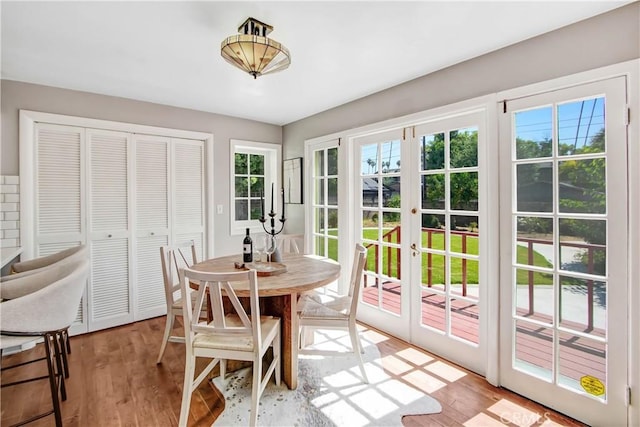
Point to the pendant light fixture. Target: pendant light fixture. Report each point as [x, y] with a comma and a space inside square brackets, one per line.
[253, 52]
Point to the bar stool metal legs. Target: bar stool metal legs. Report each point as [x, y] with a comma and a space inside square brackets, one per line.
[56, 369]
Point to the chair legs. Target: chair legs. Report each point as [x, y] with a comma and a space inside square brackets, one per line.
[357, 349]
[187, 390]
[53, 383]
[255, 391]
[54, 375]
[167, 333]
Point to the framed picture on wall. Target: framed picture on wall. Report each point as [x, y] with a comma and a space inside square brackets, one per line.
[292, 178]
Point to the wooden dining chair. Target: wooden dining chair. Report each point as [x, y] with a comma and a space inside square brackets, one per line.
[317, 311]
[172, 260]
[233, 334]
[291, 243]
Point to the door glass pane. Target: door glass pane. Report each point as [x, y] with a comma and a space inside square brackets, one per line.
[370, 294]
[318, 163]
[581, 127]
[319, 191]
[433, 225]
[433, 271]
[390, 156]
[534, 349]
[432, 191]
[582, 185]
[370, 191]
[332, 222]
[534, 295]
[369, 156]
[432, 151]
[391, 296]
[373, 256]
[369, 225]
[332, 247]
[534, 133]
[332, 191]
[535, 187]
[464, 148]
[391, 192]
[464, 277]
[464, 320]
[464, 191]
[583, 305]
[464, 234]
[320, 247]
[319, 228]
[583, 365]
[535, 241]
[391, 227]
[390, 261]
[332, 161]
[583, 245]
[433, 310]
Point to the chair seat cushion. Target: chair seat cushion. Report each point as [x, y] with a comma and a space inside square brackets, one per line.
[239, 342]
[321, 306]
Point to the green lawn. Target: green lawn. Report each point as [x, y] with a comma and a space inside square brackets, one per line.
[437, 261]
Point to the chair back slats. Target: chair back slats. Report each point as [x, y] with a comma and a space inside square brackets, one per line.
[357, 270]
[291, 243]
[172, 260]
[219, 285]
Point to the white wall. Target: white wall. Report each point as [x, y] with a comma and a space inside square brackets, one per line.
[18, 95]
[602, 40]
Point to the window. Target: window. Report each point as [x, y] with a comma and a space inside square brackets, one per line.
[254, 172]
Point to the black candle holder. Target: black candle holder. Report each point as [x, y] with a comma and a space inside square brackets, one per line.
[272, 216]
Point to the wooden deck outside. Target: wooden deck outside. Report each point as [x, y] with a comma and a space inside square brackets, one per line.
[578, 356]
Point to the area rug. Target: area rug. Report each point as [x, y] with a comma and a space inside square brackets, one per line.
[330, 393]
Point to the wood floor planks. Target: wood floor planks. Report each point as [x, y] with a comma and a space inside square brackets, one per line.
[116, 382]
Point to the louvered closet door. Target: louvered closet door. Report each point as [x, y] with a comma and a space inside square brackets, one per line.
[59, 194]
[152, 223]
[110, 299]
[188, 221]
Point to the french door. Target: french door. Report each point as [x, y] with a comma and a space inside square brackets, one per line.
[564, 250]
[419, 215]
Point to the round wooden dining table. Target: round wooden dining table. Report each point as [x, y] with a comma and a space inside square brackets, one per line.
[279, 295]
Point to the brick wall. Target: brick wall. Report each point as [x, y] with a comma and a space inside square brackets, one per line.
[9, 211]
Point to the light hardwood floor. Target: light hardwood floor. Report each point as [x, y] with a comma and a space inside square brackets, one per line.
[116, 382]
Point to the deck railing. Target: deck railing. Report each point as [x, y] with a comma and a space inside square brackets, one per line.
[393, 236]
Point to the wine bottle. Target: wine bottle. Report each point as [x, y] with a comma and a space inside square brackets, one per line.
[247, 248]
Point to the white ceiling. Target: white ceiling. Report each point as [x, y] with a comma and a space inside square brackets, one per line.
[169, 52]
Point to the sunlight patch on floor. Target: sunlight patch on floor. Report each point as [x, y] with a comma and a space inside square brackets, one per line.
[373, 336]
[483, 420]
[424, 381]
[513, 413]
[446, 371]
[396, 366]
[415, 356]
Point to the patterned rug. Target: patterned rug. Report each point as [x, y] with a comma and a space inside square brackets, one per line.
[330, 393]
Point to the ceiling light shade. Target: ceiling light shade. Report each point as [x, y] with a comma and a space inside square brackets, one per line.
[253, 52]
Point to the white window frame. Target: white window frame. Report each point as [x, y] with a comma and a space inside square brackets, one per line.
[272, 173]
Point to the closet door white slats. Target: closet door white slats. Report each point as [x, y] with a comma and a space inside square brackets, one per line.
[59, 195]
[123, 195]
[152, 200]
[109, 217]
[188, 183]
